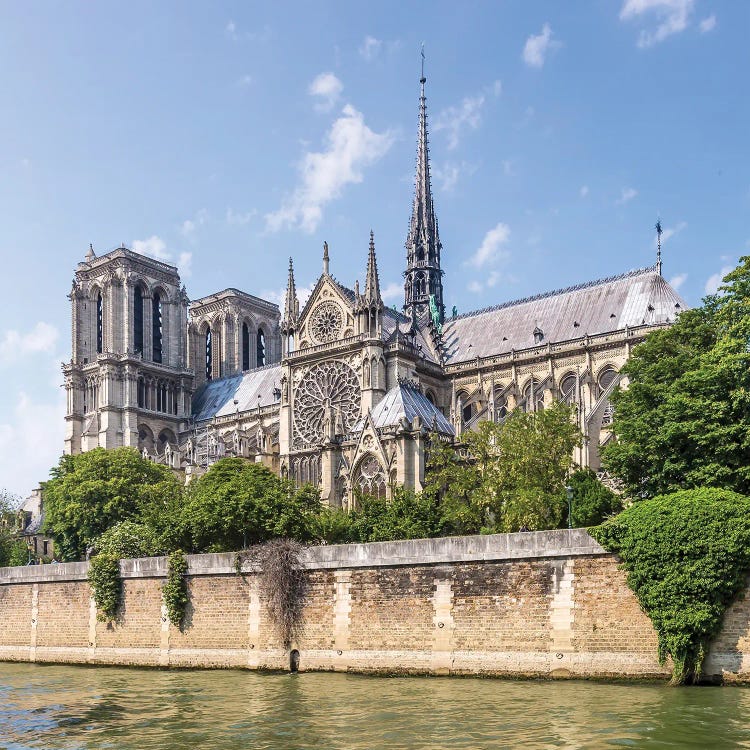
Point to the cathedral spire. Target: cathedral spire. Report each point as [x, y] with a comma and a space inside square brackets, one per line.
[423, 274]
[372, 281]
[291, 303]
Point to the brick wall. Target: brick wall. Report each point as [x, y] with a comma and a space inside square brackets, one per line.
[549, 604]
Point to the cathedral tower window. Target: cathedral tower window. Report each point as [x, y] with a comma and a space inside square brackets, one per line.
[138, 320]
[245, 347]
[99, 324]
[568, 389]
[157, 327]
[261, 349]
[209, 354]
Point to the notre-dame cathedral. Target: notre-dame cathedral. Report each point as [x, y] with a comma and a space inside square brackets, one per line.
[343, 392]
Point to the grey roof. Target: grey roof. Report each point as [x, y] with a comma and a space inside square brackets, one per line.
[216, 398]
[393, 320]
[632, 299]
[405, 401]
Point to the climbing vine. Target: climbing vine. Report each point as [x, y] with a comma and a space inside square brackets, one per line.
[687, 555]
[106, 585]
[175, 591]
[282, 584]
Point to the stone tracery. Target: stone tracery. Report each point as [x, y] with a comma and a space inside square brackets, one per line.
[327, 322]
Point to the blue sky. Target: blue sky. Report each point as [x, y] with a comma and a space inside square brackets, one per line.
[228, 136]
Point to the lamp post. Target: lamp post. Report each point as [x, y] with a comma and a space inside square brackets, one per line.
[569, 494]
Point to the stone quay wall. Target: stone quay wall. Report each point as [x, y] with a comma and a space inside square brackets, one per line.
[540, 604]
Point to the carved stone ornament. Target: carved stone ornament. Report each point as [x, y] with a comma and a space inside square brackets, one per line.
[327, 387]
[327, 322]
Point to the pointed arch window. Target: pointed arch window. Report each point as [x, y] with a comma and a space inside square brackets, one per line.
[99, 324]
[138, 320]
[261, 349]
[156, 327]
[245, 347]
[209, 353]
[568, 390]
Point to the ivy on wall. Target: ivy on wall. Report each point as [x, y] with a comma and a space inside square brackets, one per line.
[175, 591]
[106, 585]
[687, 555]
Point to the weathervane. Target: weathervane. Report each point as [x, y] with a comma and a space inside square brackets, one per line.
[658, 246]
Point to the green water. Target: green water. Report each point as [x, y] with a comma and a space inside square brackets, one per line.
[54, 707]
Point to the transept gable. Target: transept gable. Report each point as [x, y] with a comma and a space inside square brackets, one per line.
[328, 314]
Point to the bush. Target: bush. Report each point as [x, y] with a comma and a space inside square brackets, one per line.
[106, 586]
[128, 539]
[592, 502]
[687, 555]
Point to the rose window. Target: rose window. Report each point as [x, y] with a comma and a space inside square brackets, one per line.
[328, 390]
[371, 477]
[327, 322]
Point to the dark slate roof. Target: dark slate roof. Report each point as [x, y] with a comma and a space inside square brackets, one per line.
[393, 320]
[636, 298]
[216, 398]
[405, 401]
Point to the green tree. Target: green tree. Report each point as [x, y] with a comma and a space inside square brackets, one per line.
[237, 503]
[90, 492]
[687, 555]
[128, 539]
[592, 502]
[684, 419]
[408, 515]
[12, 549]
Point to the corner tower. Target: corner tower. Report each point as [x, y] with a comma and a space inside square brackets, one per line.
[423, 276]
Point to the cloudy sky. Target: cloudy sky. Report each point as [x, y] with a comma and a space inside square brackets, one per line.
[225, 137]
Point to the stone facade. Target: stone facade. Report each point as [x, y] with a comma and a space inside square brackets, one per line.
[542, 604]
[342, 392]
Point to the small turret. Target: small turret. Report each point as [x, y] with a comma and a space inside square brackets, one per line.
[291, 312]
[90, 255]
[372, 281]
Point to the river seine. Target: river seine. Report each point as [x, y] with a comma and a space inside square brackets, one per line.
[54, 707]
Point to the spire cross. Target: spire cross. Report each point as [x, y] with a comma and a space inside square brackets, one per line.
[423, 78]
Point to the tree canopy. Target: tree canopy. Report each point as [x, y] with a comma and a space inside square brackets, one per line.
[684, 419]
[90, 492]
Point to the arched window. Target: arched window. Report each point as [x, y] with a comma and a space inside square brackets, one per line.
[430, 397]
[156, 327]
[141, 393]
[245, 347]
[209, 353]
[138, 320]
[501, 406]
[261, 349]
[607, 375]
[568, 389]
[99, 324]
[467, 409]
[534, 396]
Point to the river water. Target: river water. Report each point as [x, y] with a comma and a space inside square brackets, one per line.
[53, 707]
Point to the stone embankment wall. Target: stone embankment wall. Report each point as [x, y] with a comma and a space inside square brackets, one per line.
[545, 604]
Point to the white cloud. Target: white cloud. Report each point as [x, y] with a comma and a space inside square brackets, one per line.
[714, 281]
[626, 195]
[584, 191]
[392, 291]
[15, 345]
[245, 81]
[155, 247]
[491, 248]
[370, 48]
[187, 229]
[327, 89]
[239, 219]
[677, 281]
[449, 173]
[351, 146]
[454, 119]
[497, 88]
[707, 24]
[475, 287]
[231, 30]
[672, 16]
[31, 442]
[536, 47]
[279, 295]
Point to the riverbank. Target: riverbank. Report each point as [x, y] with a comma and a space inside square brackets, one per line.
[547, 604]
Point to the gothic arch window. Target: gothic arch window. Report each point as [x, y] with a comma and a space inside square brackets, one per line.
[261, 348]
[568, 389]
[145, 438]
[606, 377]
[467, 409]
[501, 405]
[138, 319]
[209, 353]
[534, 396]
[420, 285]
[99, 323]
[430, 397]
[157, 331]
[141, 393]
[245, 347]
[370, 478]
